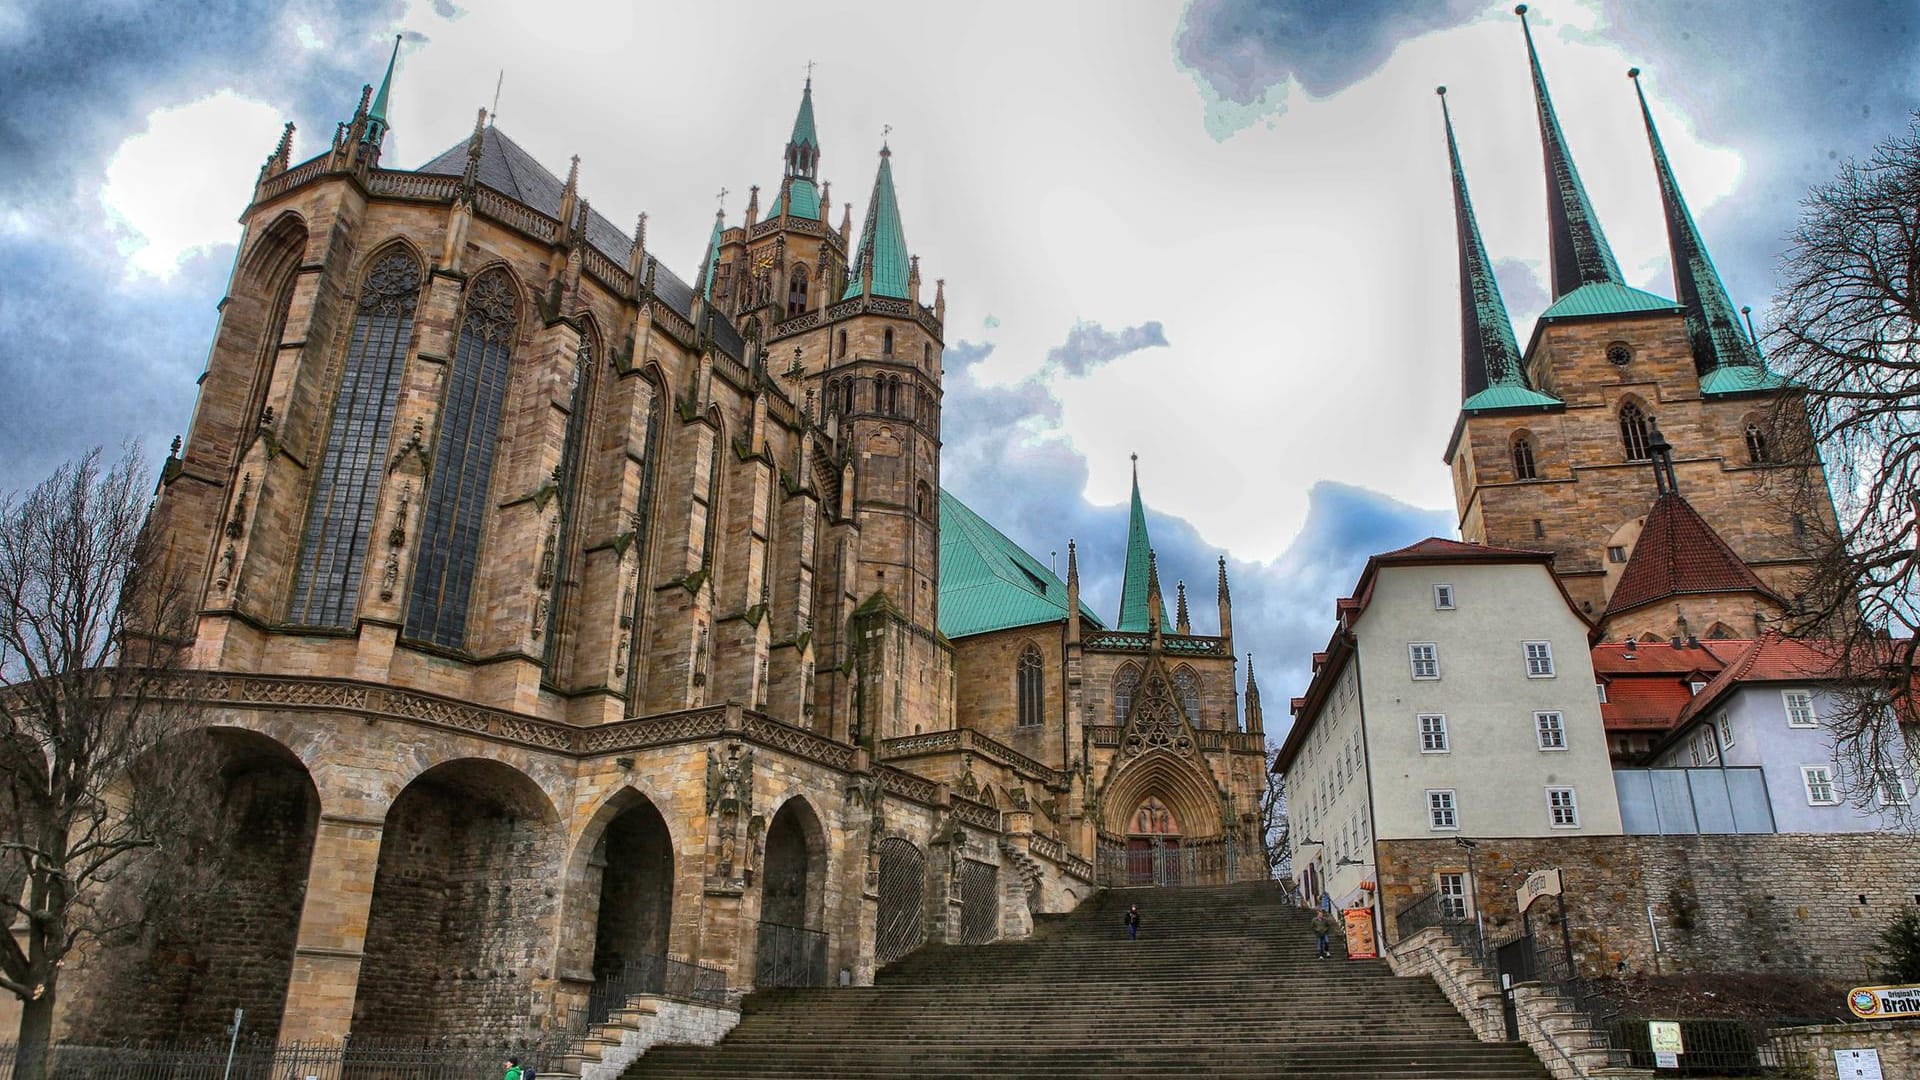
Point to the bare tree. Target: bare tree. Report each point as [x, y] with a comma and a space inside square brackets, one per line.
[1846, 334]
[1276, 844]
[97, 795]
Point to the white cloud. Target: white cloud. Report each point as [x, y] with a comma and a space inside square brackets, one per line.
[177, 188]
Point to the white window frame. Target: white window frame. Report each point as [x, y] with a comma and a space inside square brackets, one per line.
[1826, 780]
[1724, 724]
[1559, 730]
[1440, 729]
[1899, 784]
[1452, 890]
[1695, 686]
[1572, 808]
[1449, 805]
[1601, 688]
[1414, 659]
[1544, 668]
[1709, 744]
[1443, 599]
[1787, 702]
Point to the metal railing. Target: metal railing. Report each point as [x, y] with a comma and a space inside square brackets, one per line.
[1207, 863]
[659, 976]
[790, 956]
[1713, 1047]
[263, 1059]
[1449, 914]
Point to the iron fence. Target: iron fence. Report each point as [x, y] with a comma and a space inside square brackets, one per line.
[790, 956]
[658, 976]
[1713, 1048]
[1441, 910]
[263, 1059]
[1166, 863]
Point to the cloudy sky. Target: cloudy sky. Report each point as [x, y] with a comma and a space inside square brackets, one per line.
[1216, 233]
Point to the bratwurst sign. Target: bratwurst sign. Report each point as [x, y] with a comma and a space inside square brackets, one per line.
[1881, 1002]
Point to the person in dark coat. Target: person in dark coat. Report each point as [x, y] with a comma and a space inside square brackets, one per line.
[1133, 922]
[1323, 928]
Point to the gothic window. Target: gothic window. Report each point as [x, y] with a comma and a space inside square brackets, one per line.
[570, 484]
[1523, 457]
[1030, 686]
[843, 343]
[641, 524]
[1186, 686]
[797, 291]
[889, 388]
[1633, 431]
[846, 396]
[455, 515]
[333, 547]
[1757, 443]
[886, 342]
[1125, 682]
[926, 353]
[923, 499]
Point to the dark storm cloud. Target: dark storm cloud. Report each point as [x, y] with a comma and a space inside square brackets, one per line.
[1242, 48]
[1006, 457]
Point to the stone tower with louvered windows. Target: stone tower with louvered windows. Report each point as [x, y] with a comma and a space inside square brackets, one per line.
[1552, 447]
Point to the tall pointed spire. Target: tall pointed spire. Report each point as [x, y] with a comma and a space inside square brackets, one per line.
[803, 146]
[710, 265]
[882, 254]
[1181, 625]
[1713, 328]
[1579, 250]
[377, 112]
[1255, 723]
[1141, 581]
[1491, 371]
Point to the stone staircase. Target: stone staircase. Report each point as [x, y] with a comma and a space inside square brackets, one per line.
[1222, 983]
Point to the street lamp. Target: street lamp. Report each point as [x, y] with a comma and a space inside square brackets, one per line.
[1473, 891]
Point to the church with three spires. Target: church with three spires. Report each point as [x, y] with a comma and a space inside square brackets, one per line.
[562, 618]
[1637, 438]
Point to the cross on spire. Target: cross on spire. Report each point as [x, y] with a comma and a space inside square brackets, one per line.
[809, 72]
[885, 130]
[721, 199]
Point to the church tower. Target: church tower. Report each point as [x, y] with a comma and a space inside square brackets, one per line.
[1554, 443]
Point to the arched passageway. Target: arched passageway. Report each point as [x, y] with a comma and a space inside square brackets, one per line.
[635, 862]
[462, 906]
[791, 948]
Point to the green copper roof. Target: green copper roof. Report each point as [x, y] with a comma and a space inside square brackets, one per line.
[806, 201]
[883, 243]
[377, 112]
[1134, 587]
[1509, 397]
[710, 265]
[1606, 299]
[1712, 327]
[1490, 365]
[987, 582]
[1579, 250]
[1740, 379]
[803, 133]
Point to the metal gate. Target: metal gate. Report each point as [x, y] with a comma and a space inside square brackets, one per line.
[790, 956]
[1124, 863]
[980, 902]
[903, 871]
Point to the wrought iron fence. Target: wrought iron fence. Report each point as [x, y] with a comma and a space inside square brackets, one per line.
[263, 1059]
[1713, 1048]
[659, 976]
[790, 956]
[1446, 912]
[1532, 957]
[980, 902]
[1166, 864]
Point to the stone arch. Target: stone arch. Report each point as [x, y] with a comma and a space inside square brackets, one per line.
[280, 247]
[1171, 778]
[793, 879]
[624, 865]
[462, 900]
[221, 931]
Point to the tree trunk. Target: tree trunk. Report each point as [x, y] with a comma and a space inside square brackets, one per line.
[36, 1036]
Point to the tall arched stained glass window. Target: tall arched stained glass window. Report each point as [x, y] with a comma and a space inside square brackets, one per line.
[1125, 682]
[582, 417]
[642, 525]
[333, 548]
[1633, 432]
[1186, 686]
[1030, 686]
[463, 465]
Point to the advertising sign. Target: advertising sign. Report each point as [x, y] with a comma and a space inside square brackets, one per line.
[1881, 1002]
[1538, 884]
[1360, 940]
[1857, 1065]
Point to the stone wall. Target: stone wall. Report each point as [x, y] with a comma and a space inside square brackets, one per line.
[1897, 1041]
[1792, 903]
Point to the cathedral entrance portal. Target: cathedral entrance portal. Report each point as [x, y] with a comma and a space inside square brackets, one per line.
[1153, 846]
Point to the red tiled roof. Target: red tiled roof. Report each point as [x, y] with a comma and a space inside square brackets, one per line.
[1679, 553]
[1433, 547]
[1644, 704]
[1660, 657]
[1649, 691]
[1770, 659]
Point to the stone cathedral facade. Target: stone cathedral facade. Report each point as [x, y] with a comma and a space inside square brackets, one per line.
[562, 612]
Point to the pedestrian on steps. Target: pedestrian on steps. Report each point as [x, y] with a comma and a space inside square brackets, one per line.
[1133, 922]
[1323, 927]
[514, 1071]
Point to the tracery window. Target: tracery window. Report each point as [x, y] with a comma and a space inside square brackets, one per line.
[1633, 431]
[1756, 444]
[1030, 686]
[1125, 682]
[797, 291]
[642, 525]
[571, 478]
[455, 514]
[1523, 457]
[1186, 686]
[333, 547]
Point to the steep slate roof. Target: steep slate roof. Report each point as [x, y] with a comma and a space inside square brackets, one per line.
[1492, 375]
[1679, 553]
[507, 168]
[883, 242]
[988, 583]
[1578, 249]
[1135, 584]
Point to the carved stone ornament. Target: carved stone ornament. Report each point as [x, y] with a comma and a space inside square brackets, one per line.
[1156, 724]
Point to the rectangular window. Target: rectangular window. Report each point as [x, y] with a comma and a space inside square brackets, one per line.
[1891, 789]
[1799, 708]
[1726, 730]
[1453, 896]
[1441, 812]
[1443, 598]
[1693, 752]
[1563, 811]
[1709, 746]
[1539, 660]
[1616, 554]
[1425, 658]
[1819, 782]
[1550, 729]
[1433, 733]
[1602, 688]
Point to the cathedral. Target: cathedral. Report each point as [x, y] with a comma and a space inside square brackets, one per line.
[1635, 437]
[563, 613]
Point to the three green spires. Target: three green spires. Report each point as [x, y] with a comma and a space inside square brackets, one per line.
[1586, 277]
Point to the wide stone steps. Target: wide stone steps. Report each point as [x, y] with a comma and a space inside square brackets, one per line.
[1222, 983]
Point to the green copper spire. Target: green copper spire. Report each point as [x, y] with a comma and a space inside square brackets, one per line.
[798, 196]
[883, 243]
[1579, 249]
[1491, 372]
[803, 133]
[1713, 328]
[377, 113]
[710, 266]
[1140, 578]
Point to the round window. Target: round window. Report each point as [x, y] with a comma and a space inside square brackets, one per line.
[1618, 354]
